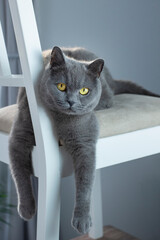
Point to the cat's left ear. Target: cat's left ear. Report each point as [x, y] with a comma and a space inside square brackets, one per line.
[96, 67]
[57, 58]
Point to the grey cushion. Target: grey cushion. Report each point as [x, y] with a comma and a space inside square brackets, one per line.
[129, 113]
[7, 115]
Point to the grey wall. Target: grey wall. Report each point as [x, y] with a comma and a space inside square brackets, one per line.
[126, 34]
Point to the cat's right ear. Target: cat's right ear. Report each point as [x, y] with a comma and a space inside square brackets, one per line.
[96, 67]
[57, 58]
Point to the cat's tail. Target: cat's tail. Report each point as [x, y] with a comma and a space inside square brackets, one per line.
[122, 86]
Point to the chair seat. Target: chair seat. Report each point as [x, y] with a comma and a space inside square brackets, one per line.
[7, 115]
[129, 113]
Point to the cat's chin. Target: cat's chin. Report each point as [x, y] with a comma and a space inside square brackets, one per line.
[70, 111]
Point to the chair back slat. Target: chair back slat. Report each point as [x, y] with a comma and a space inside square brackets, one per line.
[14, 80]
[31, 60]
[27, 37]
[4, 63]
[45, 159]
[30, 54]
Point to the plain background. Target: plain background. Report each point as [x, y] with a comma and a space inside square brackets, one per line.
[126, 34]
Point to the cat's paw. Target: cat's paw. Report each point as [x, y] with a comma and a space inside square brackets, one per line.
[27, 209]
[82, 224]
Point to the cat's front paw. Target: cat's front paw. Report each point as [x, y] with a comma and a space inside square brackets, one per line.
[82, 224]
[27, 209]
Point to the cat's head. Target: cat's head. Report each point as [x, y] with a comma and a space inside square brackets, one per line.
[71, 86]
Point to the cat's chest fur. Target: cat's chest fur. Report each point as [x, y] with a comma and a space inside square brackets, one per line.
[76, 129]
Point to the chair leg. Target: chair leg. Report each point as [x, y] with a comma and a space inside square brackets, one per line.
[48, 217]
[96, 209]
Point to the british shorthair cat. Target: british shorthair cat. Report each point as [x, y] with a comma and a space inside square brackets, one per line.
[74, 84]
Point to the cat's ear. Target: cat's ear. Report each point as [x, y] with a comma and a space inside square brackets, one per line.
[57, 58]
[96, 67]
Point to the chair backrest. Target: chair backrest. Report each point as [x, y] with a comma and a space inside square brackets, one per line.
[4, 64]
[31, 60]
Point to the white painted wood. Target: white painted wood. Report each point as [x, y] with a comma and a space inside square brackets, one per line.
[48, 227]
[12, 81]
[129, 146]
[51, 174]
[4, 63]
[96, 209]
[47, 145]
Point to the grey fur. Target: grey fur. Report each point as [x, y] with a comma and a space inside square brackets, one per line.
[21, 143]
[75, 121]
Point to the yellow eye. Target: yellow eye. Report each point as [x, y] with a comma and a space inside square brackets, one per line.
[84, 91]
[61, 86]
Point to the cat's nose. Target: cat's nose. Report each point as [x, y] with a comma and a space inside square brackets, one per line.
[71, 102]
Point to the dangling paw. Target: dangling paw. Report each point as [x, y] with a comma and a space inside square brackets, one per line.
[27, 209]
[82, 224]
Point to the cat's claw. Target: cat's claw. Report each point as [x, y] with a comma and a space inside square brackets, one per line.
[82, 224]
[27, 210]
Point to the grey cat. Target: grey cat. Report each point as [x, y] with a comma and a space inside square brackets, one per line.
[74, 84]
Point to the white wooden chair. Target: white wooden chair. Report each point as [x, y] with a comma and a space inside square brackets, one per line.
[51, 162]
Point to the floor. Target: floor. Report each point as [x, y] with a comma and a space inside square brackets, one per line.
[110, 233]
